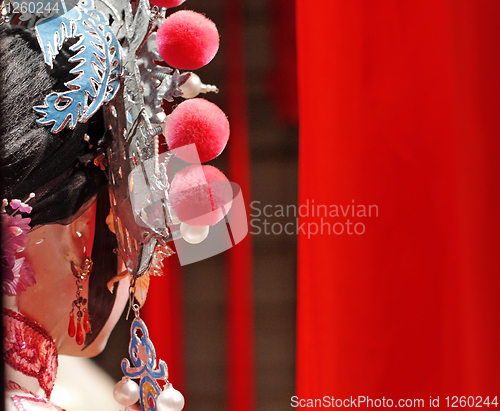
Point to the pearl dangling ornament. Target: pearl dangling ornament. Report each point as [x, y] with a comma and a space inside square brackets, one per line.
[170, 400]
[194, 234]
[126, 392]
[193, 86]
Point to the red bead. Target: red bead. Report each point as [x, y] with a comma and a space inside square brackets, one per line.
[200, 195]
[71, 325]
[86, 322]
[200, 122]
[166, 3]
[79, 333]
[187, 40]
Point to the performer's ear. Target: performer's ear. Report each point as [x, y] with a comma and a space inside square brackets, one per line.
[81, 232]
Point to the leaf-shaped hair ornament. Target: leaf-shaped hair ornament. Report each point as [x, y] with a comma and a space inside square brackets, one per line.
[98, 70]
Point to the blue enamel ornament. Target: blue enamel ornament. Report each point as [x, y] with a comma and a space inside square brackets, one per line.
[143, 356]
[98, 70]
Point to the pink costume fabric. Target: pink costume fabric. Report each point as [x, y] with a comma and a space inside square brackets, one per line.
[29, 349]
[33, 404]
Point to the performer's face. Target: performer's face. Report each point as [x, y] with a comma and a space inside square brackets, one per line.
[49, 251]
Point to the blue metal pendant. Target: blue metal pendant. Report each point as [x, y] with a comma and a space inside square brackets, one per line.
[143, 356]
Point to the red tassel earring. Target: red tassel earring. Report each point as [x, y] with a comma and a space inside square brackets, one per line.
[82, 317]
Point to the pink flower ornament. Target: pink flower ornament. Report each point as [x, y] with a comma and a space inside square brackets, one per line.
[17, 274]
[19, 205]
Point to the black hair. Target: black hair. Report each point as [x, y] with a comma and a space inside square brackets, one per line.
[53, 166]
[58, 168]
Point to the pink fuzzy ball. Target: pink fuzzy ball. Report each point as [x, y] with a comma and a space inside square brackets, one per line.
[187, 40]
[200, 194]
[166, 3]
[200, 122]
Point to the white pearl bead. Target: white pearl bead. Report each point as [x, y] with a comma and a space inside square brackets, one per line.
[161, 116]
[170, 400]
[16, 231]
[126, 392]
[194, 234]
[192, 87]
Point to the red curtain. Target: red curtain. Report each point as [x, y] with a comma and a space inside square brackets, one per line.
[399, 109]
[240, 355]
[282, 76]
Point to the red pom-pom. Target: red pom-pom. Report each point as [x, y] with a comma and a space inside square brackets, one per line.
[200, 195]
[187, 40]
[166, 3]
[200, 122]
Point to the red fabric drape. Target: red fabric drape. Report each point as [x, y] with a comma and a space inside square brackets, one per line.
[282, 78]
[240, 344]
[399, 108]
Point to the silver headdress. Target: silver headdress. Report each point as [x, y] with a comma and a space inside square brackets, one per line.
[115, 54]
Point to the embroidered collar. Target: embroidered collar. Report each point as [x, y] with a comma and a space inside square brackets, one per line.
[28, 348]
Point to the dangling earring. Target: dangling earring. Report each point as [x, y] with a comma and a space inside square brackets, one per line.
[79, 302]
[144, 367]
